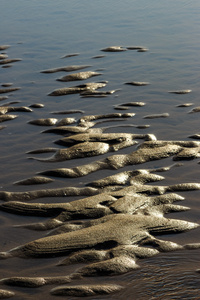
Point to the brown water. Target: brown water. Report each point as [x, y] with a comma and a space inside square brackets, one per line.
[40, 33]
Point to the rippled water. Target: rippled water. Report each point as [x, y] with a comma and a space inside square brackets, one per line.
[40, 33]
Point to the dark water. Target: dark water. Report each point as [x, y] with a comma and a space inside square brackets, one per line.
[40, 33]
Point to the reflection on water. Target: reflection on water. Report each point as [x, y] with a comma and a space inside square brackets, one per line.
[166, 277]
[40, 33]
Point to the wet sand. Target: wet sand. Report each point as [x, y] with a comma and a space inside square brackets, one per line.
[104, 203]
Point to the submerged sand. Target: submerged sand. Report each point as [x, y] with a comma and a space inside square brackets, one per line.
[116, 220]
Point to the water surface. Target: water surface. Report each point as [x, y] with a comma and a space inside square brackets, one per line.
[40, 33]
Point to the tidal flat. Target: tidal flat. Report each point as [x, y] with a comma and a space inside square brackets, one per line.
[93, 202]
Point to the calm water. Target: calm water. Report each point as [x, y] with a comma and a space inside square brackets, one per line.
[40, 33]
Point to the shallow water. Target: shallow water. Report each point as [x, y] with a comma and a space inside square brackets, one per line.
[40, 33]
